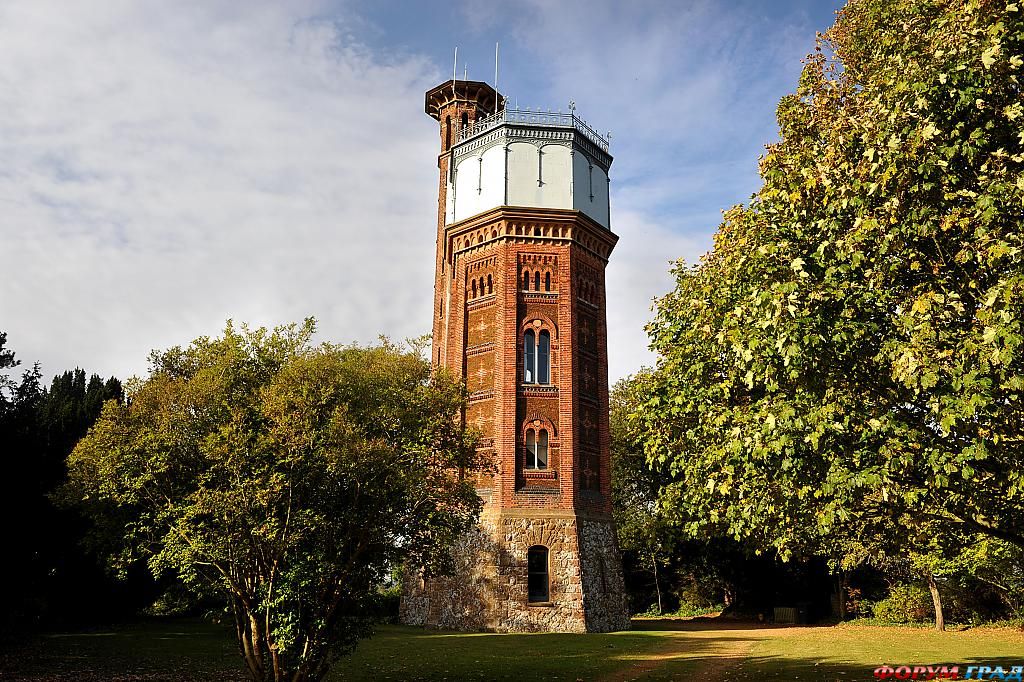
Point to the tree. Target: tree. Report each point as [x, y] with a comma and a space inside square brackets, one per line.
[7, 359]
[641, 530]
[287, 477]
[851, 347]
[60, 582]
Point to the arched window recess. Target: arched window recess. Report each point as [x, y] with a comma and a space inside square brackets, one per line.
[537, 357]
[536, 449]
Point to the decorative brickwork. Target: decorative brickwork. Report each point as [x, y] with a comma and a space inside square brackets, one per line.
[519, 314]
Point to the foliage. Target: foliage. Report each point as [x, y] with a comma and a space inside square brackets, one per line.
[7, 360]
[59, 581]
[286, 476]
[851, 348]
[642, 532]
[906, 603]
[686, 610]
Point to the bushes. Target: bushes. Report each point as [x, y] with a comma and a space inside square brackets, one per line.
[905, 604]
[383, 604]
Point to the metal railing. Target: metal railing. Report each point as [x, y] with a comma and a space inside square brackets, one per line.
[536, 118]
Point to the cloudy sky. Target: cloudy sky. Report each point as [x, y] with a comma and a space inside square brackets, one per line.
[166, 166]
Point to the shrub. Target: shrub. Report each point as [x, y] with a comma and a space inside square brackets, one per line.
[905, 604]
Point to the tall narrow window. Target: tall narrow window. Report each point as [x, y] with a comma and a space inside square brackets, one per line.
[447, 132]
[547, 281]
[537, 574]
[531, 449]
[529, 358]
[474, 288]
[526, 281]
[465, 122]
[481, 286]
[536, 449]
[544, 358]
[490, 285]
[536, 281]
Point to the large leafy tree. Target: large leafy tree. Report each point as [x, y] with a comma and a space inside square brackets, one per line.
[851, 347]
[286, 476]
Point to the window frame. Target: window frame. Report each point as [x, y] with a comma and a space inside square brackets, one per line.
[537, 442]
[542, 369]
[537, 360]
[529, 357]
[536, 579]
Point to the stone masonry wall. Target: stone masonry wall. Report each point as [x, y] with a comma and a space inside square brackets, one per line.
[605, 602]
[488, 590]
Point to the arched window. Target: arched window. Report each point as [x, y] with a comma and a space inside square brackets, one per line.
[536, 281]
[447, 132]
[536, 357]
[465, 120]
[529, 358]
[547, 281]
[536, 449]
[526, 280]
[474, 288]
[544, 358]
[490, 286]
[481, 286]
[537, 574]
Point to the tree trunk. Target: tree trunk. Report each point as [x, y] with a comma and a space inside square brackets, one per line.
[841, 593]
[245, 643]
[657, 587]
[940, 621]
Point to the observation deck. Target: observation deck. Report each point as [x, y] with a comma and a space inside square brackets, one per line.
[549, 119]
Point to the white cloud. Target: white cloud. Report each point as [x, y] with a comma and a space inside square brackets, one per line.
[689, 90]
[168, 166]
[637, 272]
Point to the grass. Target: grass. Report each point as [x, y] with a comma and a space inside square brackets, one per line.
[656, 649]
[179, 650]
[849, 651]
[406, 653]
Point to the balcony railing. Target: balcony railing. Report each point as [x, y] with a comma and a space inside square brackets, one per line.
[554, 119]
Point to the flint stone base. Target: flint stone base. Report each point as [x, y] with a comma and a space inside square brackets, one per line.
[488, 589]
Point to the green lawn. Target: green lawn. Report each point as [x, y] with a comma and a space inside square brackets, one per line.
[183, 651]
[849, 652]
[405, 653]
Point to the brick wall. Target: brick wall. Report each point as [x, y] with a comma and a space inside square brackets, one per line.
[483, 306]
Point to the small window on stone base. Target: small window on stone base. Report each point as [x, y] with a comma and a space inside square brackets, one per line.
[537, 574]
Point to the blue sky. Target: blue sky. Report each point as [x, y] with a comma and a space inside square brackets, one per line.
[170, 165]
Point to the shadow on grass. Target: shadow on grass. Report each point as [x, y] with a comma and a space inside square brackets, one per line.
[177, 650]
[668, 649]
[684, 646]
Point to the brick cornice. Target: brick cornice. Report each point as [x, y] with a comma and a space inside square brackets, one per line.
[521, 225]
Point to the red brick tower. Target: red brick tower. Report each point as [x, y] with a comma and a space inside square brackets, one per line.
[519, 312]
